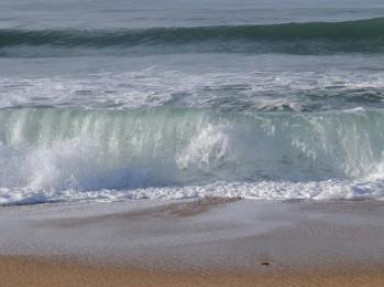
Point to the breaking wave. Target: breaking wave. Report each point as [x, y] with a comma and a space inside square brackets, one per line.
[52, 154]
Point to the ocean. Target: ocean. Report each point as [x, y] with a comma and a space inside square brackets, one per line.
[125, 100]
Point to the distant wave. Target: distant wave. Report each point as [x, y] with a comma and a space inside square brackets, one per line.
[363, 36]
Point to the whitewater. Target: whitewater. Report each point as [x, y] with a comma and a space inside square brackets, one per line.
[185, 103]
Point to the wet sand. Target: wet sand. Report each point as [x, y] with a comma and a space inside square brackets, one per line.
[212, 242]
[23, 272]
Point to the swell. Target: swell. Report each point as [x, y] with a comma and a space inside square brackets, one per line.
[365, 36]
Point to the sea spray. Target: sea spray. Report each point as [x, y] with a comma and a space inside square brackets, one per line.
[85, 150]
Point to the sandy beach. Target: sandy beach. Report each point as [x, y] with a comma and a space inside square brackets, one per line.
[28, 272]
[212, 242]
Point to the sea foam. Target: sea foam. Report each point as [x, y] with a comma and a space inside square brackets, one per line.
[51, 154]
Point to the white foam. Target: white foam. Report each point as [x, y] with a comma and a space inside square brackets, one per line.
[265, 190]
[116, 155]
[296, 91]
[207, 150]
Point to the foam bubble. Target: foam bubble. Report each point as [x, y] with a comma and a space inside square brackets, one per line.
[265, 190]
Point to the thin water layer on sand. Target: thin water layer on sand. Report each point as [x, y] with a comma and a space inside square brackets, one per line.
[214, 234]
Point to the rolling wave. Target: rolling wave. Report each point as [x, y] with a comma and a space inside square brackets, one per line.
[95, 149]
[363, 36]
[52, 154]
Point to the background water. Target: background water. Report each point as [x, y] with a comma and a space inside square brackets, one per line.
[119, 100]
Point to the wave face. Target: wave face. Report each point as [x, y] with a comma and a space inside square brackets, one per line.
[363, 36]
[51, 154]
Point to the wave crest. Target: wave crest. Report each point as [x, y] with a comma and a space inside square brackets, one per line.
[50, 154]
[363, 36]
